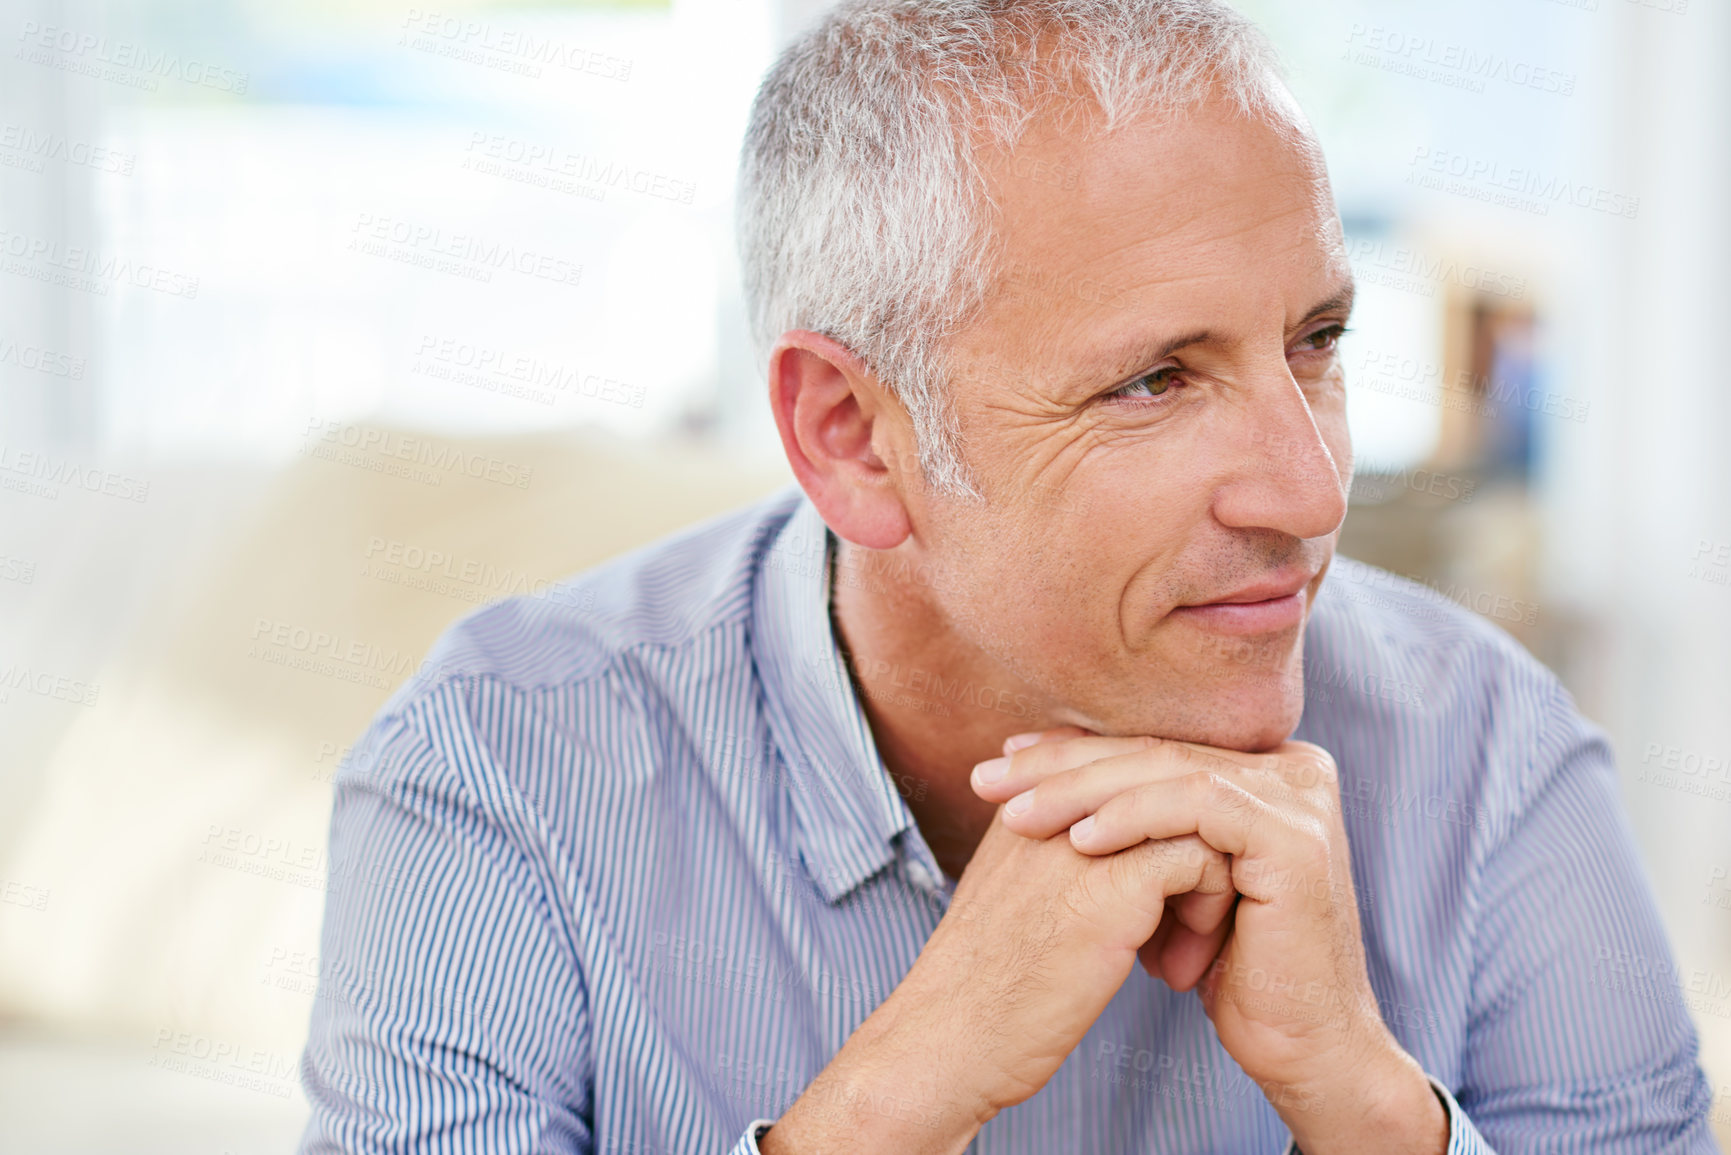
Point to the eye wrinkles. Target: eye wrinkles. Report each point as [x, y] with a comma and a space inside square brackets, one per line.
[1150, 380]
[1159, 382]
[1066, 386]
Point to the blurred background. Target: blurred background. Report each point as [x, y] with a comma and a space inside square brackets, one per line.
[323, 322]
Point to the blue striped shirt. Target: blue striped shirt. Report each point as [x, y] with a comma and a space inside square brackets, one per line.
[620, 870]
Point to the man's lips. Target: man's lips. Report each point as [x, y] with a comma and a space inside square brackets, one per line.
[1274, 603]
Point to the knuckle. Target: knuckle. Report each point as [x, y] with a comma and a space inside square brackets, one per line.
[1314, 852]
[1327, 776]
[1312, 767]
[1285, 787]
[1131, 873]
[1043, 758]
[1147, 860]
[1221, 793]
[1180, 752]
[1216, 874]
[1190, 851]
[1199, 781]
[1141, 799]
[1178, 863]
[1312, 834]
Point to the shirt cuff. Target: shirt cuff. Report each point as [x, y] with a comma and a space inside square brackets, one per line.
[1464, 1138]
[747, 1144]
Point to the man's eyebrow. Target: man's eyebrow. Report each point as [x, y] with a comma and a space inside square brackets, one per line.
[1117, 365]
[1341, 300]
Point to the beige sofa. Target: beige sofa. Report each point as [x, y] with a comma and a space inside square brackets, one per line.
[173, 848]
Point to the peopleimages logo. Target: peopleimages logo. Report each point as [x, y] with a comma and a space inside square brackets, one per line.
[120, 61]
[86, 270]
[1404, 267]
[60, 687]
[497, 155]
[324, 652]
[517, 51]
[40, 360]
[461, 254]
[423, 458]
[1394, 373]
[1456, 65]
[33, 147]
[223, 1061]
[54, 471]
[498, 370]
[1489, 179]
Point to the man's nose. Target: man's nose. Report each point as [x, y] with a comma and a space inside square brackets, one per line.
[1288, 480]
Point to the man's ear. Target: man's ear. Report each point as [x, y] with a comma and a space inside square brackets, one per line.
[829, 409]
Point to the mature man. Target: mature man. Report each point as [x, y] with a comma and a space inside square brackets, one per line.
[842, 823]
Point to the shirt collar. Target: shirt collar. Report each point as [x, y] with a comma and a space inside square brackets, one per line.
[847, 808]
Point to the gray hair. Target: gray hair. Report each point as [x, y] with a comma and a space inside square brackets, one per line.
[863, 213]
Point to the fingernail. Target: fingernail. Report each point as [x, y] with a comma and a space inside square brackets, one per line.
[1020, 742]
[988, 772]
[1079, 832]
[1019, 803]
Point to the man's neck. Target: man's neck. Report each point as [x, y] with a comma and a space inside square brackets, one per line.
[936, 706]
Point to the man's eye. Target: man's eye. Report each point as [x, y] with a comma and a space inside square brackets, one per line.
[1149, 384]
[1324, 340]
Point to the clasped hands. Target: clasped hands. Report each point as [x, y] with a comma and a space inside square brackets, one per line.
[1278, 961]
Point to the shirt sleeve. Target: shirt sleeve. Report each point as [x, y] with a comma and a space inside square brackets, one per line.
[1578, 1035]
[450, 1014]
[747, 1144]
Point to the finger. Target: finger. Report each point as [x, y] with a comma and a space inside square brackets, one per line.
[1222, 813]
[1180, 956]
[1191, 930]
[1151, 952]
[1157, 870]
[1048, 758]
[1127, 894]
[1021, 741]
[1204, 911]
[1002, 778]
[1071, 795]
[1187, 957]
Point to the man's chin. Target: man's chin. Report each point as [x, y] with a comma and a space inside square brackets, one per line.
[1253, 735]
[1259, 715]
[1249, 719]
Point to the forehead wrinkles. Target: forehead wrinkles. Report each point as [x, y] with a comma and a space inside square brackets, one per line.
[1059, 200]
